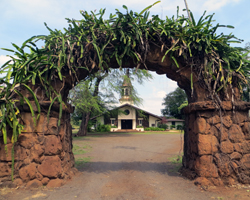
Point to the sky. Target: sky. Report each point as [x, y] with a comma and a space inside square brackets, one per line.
[22, 19]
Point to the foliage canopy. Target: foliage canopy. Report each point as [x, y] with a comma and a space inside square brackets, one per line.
[172, 102]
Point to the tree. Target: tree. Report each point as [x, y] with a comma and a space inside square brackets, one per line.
[85, 97]
[172, 102]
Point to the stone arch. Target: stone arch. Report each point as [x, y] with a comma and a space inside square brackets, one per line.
[216, 142]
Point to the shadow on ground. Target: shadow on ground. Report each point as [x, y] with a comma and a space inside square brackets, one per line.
[142, 166]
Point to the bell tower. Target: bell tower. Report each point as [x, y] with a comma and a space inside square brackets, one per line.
[126, 90]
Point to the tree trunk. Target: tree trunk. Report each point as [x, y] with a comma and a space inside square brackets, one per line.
[84, 124]
[86, 116]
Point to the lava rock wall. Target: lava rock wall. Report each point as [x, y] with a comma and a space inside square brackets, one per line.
[217, 144]
[43, 153]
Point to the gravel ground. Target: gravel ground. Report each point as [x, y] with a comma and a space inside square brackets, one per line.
[128, 167]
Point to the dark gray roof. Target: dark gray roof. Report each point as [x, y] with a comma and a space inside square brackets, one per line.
[141, 110]
[175, 120]
[156, 116]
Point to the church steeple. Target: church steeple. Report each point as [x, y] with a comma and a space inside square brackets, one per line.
[126, 90]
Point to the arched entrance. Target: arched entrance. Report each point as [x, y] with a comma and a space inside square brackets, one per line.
[217, 133]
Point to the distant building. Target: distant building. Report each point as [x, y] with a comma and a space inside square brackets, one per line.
[175, 122]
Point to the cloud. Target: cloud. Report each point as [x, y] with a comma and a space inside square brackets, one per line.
[53, 12]
[3, 59]
[212, 5]
[161, 94]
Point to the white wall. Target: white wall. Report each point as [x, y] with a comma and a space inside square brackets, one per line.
[152, 120]
[131, 115]
[176, 124]
[119, 124]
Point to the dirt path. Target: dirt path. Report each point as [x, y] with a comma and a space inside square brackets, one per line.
[127, 167]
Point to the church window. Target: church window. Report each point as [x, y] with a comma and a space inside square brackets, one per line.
[112, 121]
[140, 122]
[126, 112]
[126, 91]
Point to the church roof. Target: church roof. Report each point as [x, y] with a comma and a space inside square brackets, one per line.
[127, 81]
[156, 116]
[140, 109]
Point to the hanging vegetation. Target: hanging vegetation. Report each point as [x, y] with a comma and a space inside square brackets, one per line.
[93, 42]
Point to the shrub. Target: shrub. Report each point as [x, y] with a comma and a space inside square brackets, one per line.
[103, 128]
[139, 126]
[179, 127]
[164, 126]
[154, 129]
[172, 126]
[114, 126]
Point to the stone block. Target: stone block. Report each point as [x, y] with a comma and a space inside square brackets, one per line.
[34, 184]
[28, 123]
[214, 120]
[52, 145]
[222, 132]
[52, 126]
[39, 176]
[42, 125]
[55, 183]
[206, 114]
[240, 117]
[28, 172]
[51, 167]
[62, 131]
[200, 125]
[18, 182]
[202, 181]
[216, 181]
[235, 134]
[207, 144]
[5, 170]
[246, 130]
[226, 147]
[244, 178]
[45, 181]
[205, 167]
[245, 146]
[246, 161]
[6, 156]
[36, 152]
[223, 164]
[235, 156]
[237, 147]
[27, 140]
[227, 121]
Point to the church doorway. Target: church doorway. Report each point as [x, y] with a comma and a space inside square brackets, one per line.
[126, 124]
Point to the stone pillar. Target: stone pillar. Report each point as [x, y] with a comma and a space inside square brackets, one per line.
[217, 143]
[43, 153]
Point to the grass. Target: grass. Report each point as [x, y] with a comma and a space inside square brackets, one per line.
[77, 150]
[80, 148]
[80, 162]
[176, 162]
[176, 159]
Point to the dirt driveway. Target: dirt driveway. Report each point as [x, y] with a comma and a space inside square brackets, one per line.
[128, 167]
